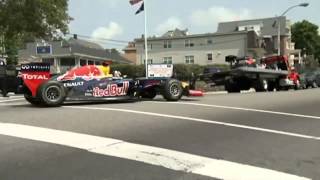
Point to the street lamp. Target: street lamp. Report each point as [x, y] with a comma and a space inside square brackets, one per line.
[279, 27]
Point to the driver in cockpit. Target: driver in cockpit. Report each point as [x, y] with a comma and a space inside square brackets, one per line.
[106, 68]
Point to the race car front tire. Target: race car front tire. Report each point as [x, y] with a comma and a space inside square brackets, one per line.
[172, 90]
[52, 93]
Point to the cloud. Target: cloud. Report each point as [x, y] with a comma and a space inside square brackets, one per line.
[215, 14]
[108, 32]
[109, 3]
[169, 24]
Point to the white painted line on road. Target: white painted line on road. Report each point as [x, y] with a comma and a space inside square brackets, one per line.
[170, 159]
[200, 120]
[11, 100]
[243, 109]
[11, 96]
[225, 92]
[216, 92]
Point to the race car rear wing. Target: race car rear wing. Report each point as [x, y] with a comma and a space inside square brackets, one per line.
[34, 74]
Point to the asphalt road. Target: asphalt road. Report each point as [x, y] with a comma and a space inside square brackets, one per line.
[226, 136]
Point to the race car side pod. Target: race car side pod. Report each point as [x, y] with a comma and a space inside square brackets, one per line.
[34, 74]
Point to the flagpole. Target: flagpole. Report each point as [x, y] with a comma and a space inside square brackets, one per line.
[146, 37]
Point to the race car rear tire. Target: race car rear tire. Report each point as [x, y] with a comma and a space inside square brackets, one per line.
[172, 90]
[52, 93]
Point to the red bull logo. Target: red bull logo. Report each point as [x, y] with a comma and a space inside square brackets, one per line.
[112, 90]
[86, 73]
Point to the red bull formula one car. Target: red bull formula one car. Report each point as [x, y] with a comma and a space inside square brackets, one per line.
[87, 83]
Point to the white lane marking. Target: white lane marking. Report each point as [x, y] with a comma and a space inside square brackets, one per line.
[174, 160]
[225, 92]
[216, 92]
[200, 120]
[11, 96]
[10, 100]
[242, 109]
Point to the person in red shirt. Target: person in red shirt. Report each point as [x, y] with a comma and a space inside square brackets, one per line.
[294, 76]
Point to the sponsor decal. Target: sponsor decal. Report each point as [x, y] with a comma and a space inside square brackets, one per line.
[73, 84]
[111, 90]
[35, 67]
[35, 76]
[86, 73]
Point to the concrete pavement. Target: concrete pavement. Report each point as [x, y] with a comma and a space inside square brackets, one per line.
[274, 131]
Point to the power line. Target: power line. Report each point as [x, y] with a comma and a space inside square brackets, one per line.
[100, 39]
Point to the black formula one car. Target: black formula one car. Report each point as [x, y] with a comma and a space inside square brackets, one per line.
[87, 83]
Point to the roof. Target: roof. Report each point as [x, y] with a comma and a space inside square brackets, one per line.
[114, 54]
[176, 33]
[83, 43]
[268, 25]
[72, 47]
[191, 36]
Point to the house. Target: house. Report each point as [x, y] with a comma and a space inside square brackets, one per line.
[266, 30]
[256, 38]
[66, 54]
[178, 46]
[130, 52]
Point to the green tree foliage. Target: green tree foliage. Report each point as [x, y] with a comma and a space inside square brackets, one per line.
[25, 20]
[306, 36]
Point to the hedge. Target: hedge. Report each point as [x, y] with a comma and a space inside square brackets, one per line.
[181, 71]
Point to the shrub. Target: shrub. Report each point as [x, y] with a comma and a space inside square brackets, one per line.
[181, 71]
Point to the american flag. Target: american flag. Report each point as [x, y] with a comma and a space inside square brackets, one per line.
[133, 2]
[140, 9]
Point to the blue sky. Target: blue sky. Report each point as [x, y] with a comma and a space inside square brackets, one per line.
[115, 19]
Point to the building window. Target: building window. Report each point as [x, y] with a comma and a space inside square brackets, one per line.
[149, 46]
[67, 64]
[209, 57]
[209, 42]
[83, 62]
[48, 60]
[150, 61]
[90, 62]
[188, 43]
[167, 44]
[167, 60]
[189, 59]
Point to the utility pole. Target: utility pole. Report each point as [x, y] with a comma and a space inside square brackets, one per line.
[146, 37]
[279, 24]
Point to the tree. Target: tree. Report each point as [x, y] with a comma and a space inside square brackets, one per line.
[25, 20]
[306, 37]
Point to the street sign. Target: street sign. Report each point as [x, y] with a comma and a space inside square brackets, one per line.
[44, 49]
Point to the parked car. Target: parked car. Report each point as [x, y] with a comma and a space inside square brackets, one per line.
[310, 79]
[208, 73]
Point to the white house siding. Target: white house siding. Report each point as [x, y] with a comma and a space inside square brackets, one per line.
[222, 45]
